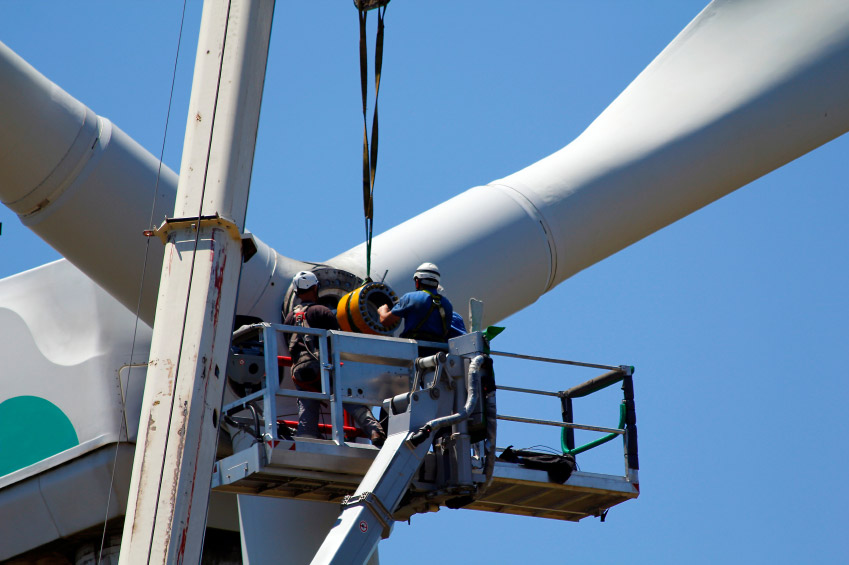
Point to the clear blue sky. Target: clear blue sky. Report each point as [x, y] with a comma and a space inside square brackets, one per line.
[735, 317]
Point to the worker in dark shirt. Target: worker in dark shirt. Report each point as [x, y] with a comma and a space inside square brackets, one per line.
[427, 314]
[306, 368]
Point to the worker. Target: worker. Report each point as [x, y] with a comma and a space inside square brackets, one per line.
[427, 314]
[306, 368]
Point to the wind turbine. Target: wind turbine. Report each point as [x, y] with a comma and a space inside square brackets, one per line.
[616, 223]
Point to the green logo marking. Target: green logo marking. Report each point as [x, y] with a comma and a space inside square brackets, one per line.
[32, 429]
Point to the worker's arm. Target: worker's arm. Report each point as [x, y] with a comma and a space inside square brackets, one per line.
[387, 318]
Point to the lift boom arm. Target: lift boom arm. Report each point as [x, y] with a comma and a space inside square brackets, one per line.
[446, 400]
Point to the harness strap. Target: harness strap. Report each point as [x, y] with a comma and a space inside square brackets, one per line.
[435, 302]
[308, 385]
[301, 321]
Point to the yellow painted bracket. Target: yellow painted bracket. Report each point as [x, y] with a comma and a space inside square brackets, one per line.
[214, 221]
[172, 224]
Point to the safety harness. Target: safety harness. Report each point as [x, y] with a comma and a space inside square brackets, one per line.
[416, 333]
[307, 354]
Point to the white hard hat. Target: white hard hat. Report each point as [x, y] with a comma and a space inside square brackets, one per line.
[428, 273]
[304, 280]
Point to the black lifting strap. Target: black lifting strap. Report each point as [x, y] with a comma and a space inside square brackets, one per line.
[370, 157]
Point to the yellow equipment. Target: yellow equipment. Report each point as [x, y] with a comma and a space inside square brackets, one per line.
[357, 310]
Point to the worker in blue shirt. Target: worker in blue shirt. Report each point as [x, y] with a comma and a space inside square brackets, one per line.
[427, 314]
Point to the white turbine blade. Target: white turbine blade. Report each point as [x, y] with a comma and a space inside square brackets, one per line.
[744, 89]
[86, 188]
[79, 182]
[747, 87]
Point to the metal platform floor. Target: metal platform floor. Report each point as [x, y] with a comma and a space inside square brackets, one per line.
[528, 492]
[323, 471]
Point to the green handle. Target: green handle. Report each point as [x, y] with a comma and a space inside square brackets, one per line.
[594, 443]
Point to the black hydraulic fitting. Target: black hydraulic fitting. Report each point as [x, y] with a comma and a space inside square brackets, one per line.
[420, 436]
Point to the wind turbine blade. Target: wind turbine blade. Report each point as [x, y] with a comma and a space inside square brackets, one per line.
[744, 89]
[747, 87]
[89, 190]
[80, 183]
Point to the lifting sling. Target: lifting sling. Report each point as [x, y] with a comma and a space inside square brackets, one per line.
[370, 156]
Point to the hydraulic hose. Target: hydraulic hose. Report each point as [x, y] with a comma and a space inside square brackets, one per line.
[489, 444]
[472, 387]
